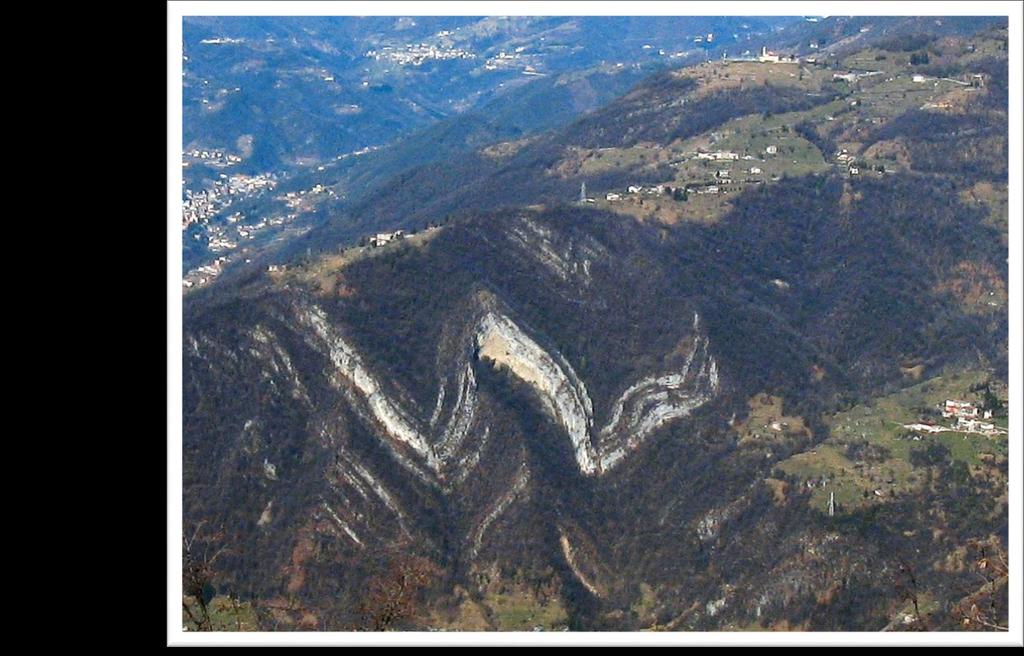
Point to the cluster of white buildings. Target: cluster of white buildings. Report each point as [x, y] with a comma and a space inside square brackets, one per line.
[246, 231]
[382, 238]
[297, 199]
[766, 56]
[211, 157]
[969, 419]
[416, 54]
[723, 175]
[925, 427]
[852, 77]
[221, 41]
[633, 190]
[226, 241]
[201, 275]
[963, 410]
[199, 206]
[976, 426]
[844, 158]
[718, 156]
[504, 59]
[729, 156]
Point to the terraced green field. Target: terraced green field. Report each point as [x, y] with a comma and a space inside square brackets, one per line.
[868, 457]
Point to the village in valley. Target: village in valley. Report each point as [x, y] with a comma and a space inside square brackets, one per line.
[416, 54]
[219, 213]
[227, 235]
[199, 206]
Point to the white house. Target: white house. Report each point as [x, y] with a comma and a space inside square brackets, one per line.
[718, 155]
[927, 428]
[954, 408]
[382, 238]
[771, 150]
[769, 57]
[973, 425]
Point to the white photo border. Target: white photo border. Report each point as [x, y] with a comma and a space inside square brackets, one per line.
[177, 10]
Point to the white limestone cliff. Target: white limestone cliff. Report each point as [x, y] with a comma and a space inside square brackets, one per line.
[442, 441]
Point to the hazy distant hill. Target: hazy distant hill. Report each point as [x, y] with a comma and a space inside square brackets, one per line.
[304, 88]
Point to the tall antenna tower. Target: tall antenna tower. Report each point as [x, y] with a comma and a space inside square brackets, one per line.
[583, 192]
[831, 504]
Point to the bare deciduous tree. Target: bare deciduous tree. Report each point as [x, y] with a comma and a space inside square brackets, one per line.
[199, 553]
[392, 595]
[985, 609]
[906, 586]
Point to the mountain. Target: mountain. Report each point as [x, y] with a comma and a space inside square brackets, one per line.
[261, 115]
[663, 407]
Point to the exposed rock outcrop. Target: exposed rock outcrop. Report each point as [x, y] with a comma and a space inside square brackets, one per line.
[438, 440]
